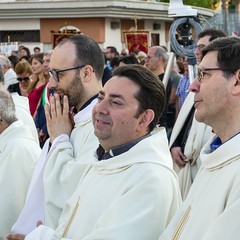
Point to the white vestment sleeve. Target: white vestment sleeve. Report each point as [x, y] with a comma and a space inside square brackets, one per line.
[34, 208]
[42, 233]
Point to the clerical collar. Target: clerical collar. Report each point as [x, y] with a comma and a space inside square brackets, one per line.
[102, 155]
[75, 111]
[216, 143]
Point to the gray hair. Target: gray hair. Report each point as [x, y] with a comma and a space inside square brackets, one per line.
[160, 52]
[4, 61]
[7, 107]
[49, 52]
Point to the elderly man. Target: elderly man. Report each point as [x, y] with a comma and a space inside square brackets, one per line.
[156, 61]
[130, 190]
[212, 206]
[9, 75]
[18, 154]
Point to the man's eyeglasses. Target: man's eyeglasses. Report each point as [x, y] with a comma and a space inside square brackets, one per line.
[23, 79]
[149, 57]
[55, 73]
[200, 47]
[201, 72]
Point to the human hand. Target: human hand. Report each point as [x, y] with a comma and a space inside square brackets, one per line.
[58, 118]
[42, 136]
[16, 236]
[178, 156]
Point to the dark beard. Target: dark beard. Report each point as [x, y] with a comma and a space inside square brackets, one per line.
[75, 92]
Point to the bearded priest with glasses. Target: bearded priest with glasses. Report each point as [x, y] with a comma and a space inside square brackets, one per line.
[66, 153]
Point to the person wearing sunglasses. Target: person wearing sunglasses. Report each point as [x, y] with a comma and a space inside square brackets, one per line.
[23, 71]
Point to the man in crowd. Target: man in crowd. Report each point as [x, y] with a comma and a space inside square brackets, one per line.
[76, 71]
[18, 154]
[10, 77]
[188, 135]
[212, 206]
[130, 190]
[155, 61]
[111, 52]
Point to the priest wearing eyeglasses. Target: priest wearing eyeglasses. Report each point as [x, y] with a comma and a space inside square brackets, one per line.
[212, 207]
[76, 69]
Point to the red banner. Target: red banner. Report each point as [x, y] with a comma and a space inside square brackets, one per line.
[137, 40]
[58, 37]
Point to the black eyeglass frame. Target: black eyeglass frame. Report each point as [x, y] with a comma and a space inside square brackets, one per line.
[149, 57]
[25, 79]
[54, 73]
[200, 72]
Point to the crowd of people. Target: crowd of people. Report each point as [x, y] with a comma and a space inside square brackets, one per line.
[97, 144]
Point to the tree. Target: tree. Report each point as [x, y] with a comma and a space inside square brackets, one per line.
[211, 4]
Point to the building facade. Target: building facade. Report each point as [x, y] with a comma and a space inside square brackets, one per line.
[40, 22]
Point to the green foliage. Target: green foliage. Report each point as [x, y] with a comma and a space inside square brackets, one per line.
[198, 3]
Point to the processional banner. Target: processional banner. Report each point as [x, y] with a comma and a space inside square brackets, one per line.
[137, 40]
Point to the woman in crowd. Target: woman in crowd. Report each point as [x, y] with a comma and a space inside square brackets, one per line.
[39, 81]
[23, 71]
[24, 54]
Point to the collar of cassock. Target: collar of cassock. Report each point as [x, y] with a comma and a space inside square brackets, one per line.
[216, 143]
[102, 155]
[75, 111]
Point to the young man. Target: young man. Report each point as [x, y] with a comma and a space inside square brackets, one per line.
[130, 190]
[76, 71]
[212, 206]
[188, 135]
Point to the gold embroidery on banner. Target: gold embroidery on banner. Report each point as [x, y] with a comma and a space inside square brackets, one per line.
[181, 224]
[71, 219]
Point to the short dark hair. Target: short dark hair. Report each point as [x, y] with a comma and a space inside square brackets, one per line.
[112, 49]
[213, 33]
[37, 48]
[14, 60]
[88, 52]
[129, 60]
[228, 55]
[152, 93]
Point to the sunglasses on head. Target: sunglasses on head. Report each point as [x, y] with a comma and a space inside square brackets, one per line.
[23, 79]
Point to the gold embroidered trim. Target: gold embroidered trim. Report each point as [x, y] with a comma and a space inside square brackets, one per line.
[71, 219]
[181, 224]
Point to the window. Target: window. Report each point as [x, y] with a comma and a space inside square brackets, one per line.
[20, 36]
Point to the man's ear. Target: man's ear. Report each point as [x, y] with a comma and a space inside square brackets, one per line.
[238, 77]
[146, 118]
[236, 88]
[87, 73]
